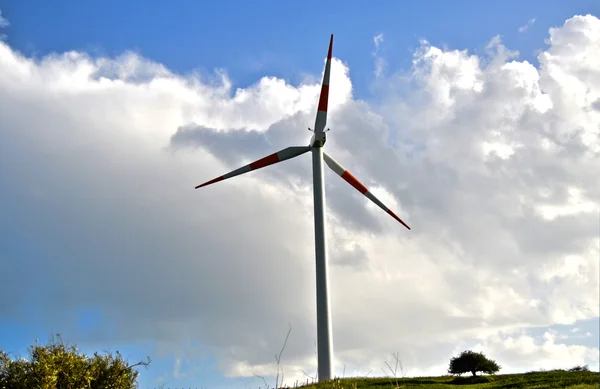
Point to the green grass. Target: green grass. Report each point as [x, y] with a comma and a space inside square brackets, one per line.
[537, 380]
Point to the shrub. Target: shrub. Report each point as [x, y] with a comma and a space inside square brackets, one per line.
[580, 368]
[60, 366]
[470, 361]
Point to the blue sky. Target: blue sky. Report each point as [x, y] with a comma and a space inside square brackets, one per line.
[283, 39]
[250, 40]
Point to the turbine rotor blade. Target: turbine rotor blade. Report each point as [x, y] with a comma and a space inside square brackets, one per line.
[321, 120]
[282, 155]
[349, 178]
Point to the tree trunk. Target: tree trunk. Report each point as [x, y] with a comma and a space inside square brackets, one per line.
[474, 373]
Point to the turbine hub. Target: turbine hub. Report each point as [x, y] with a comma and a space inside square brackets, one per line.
[318, 139]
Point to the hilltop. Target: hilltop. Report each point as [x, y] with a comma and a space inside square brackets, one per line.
[543, 379]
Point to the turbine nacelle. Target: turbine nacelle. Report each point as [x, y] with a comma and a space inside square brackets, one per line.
[318, 139]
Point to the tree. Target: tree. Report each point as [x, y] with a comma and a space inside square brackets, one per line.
[60, 366]
[470, 361]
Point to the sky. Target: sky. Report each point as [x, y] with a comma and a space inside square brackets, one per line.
[478, 124]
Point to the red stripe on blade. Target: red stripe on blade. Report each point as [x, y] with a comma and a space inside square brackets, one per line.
[210, 182]
[330, 47]
[323, 98]
[354, 182]
[266, 161]
[392, 214]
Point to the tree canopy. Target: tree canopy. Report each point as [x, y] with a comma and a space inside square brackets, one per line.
[61, 366]
[470, 361]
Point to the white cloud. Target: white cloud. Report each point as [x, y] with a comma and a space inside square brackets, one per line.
[527, 25]
[377, 40]
[379, 61]
[177, 368]
[537, 352]
[98, 158]
[3, 21]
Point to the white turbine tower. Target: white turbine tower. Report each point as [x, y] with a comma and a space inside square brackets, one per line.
[324, 340]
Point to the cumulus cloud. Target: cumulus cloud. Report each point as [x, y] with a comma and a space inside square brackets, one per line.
[491, 160]
[543, 352]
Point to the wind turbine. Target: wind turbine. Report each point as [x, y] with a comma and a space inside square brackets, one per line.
[324, 340]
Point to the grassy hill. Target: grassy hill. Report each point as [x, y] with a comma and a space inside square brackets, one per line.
[549, 379]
